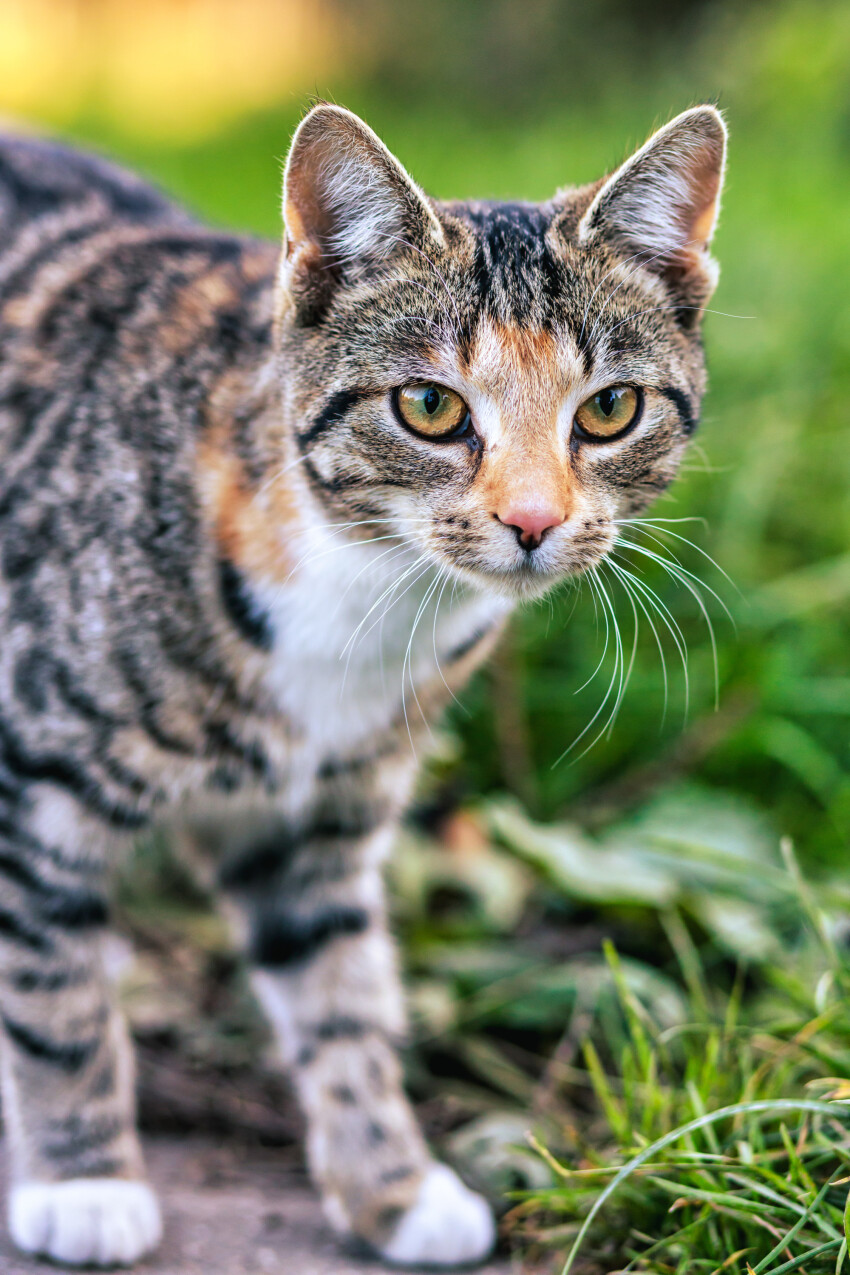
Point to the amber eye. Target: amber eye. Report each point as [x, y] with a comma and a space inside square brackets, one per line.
[431, 409]
[609, 412]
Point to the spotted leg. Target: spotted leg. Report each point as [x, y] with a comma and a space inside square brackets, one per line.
[312, 904]
[78, 1193]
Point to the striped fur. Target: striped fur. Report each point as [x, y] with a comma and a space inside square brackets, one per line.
[225, 572]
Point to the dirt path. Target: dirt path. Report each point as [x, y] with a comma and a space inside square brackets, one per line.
[233, 1212]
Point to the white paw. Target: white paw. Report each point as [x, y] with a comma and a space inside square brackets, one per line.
[449, 1225]
[86, 1221]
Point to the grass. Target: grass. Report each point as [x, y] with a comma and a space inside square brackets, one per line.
[720, 1167]
[693, 1115]
[716, 1194]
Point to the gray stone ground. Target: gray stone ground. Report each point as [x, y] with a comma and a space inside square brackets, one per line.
[233, 1212]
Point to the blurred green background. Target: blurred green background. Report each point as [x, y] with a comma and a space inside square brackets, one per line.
[668, 815]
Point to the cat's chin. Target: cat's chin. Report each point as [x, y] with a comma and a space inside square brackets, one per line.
[522, 584]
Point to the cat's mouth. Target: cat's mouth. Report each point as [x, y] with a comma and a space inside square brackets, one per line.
[527, 579]
[523, 575]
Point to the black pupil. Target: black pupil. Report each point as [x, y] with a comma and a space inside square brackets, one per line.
[607, 401]
[431, 401]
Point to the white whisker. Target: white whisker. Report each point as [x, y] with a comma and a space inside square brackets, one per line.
[675, 568]
[379, 623]
[666, 615]
[617, 662]
[407, 662]
[693, 584]
[446, 578]
[276, 477]
[626, 581]
[391, 602]
[591, 580]
[389, 589]
[395, 550]
[312, 556]
[620, 653]
[607, 275]
[642, 523]
[640, 265]
[655, 309]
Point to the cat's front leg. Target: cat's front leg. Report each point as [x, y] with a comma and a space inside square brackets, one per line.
[78, 1194]
[326, 973]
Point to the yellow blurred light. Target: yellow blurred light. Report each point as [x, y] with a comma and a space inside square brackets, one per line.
[172, 68]
[43, 67]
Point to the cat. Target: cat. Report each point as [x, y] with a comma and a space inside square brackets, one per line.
[261, 514]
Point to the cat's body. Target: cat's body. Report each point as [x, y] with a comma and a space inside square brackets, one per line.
[237, 587]
[135, 505]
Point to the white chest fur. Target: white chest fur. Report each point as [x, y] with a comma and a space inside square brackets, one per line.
[358, 628]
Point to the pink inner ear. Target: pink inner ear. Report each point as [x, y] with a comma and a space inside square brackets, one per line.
[346, 193]
[704, 224]
[700, 214]
[664, 199]
[294, 227]
[306, 212]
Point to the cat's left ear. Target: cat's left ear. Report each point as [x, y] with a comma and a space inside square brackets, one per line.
[348, 204]
[661, 205]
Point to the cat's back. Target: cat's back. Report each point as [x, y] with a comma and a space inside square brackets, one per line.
[41, 180]
[86, 246]
[53, 197]
[116, 305]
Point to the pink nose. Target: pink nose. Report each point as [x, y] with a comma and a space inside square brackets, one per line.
[531, 520]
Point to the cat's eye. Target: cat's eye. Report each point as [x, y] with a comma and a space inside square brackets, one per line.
[609, 413]
[432, 410]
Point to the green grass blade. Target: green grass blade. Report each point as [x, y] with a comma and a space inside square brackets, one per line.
[795, 1230]
[767, 1107]
[829, 1247]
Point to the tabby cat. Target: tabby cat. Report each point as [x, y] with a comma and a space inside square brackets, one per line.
[261, 513]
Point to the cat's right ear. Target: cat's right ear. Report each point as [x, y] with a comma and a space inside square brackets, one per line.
[348, 207]
[661, 205]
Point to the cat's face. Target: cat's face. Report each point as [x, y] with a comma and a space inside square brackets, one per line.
[496, 384]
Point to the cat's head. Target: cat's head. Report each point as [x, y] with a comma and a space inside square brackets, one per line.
[496, 383]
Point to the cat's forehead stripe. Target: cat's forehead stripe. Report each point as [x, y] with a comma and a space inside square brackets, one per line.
[529, 371]
[517, 277]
